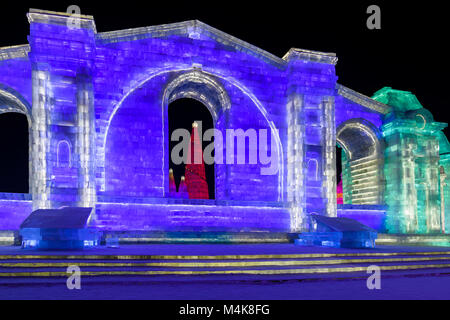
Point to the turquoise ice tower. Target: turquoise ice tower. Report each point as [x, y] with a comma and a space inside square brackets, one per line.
[412, 160]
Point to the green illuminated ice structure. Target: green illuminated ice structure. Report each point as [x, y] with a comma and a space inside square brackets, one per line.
[444, 185]
[416, 158]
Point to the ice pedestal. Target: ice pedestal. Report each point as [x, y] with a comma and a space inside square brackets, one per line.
[112, 241]
[59, 229]
[337, 233]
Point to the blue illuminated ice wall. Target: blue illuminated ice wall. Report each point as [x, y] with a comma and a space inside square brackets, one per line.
[99, 123]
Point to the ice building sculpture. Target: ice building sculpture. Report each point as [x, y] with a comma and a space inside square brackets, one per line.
[97, 108]
[412, 163]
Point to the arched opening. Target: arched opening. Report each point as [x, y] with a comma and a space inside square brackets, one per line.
[63, 154]
[136, 139]
[14, 146]
[359, 163]
[182, 113]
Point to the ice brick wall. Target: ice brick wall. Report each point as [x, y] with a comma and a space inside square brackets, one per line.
[351, 110]
[131, 118]
[373, 216]
[134, 154]
[15, 75]
[205, 215]
[14, 208]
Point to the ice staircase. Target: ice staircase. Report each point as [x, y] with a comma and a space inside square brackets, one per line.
[52, 267]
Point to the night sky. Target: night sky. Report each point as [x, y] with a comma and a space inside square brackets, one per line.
[408, 53]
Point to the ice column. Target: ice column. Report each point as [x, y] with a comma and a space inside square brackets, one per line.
[86, 141]
[40, 185]
[295, 156]
[311, 184]
[329, 159]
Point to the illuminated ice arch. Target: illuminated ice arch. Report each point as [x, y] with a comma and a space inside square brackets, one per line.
[201, 87]
[362, 165]
[13, 101]
[207, 90]
[190, 75]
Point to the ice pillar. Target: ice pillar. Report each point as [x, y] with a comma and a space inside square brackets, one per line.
[63, 129]
[329, 158]
[311, 174]
[295, 159]
[86, 141]
[42, 98]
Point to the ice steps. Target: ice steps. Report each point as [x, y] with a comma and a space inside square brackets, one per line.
[279, 265]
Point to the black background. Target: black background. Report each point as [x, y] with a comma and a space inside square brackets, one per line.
[408, 53]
